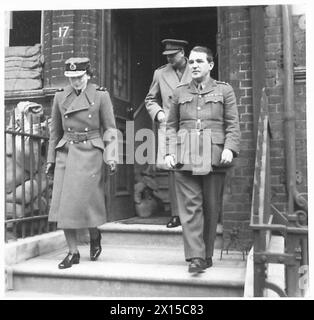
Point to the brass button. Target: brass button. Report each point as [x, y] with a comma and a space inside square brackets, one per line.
[84, 141]
[198, 108]
[69, 129]
[71, 142]
[66, 116]
[86, 129]
[89, 116]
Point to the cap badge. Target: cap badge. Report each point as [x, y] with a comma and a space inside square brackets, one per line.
[72, 66]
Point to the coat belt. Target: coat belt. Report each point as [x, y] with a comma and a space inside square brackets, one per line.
[77, 137]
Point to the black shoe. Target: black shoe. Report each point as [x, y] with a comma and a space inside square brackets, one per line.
[209, 262]
[174, 222]
[95, 247]
[71, 258]
[197, 265]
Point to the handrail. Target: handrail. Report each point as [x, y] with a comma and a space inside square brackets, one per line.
[266, 219]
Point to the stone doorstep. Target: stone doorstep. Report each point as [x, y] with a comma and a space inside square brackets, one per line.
[24, 249]
[146, 228]
[226, 273]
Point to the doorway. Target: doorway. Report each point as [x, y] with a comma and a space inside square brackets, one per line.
[133, 51]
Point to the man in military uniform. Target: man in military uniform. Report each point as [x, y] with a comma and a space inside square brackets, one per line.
[165, 80]
[204, 108]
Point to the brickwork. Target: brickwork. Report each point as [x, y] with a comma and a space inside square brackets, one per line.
[274, 89]
[69, 33]
[274, 83]
[236, 59]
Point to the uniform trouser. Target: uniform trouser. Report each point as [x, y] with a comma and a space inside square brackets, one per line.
[199, 199]
[172, 194]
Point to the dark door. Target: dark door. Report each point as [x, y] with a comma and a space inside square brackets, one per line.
[117, 50]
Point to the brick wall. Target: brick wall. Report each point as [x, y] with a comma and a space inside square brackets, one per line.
[69, 33]
[236, 59]
[274, 90]
[274, 83]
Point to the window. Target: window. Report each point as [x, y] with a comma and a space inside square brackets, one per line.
[25, 28]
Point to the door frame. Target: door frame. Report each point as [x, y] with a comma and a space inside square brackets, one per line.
[105, 77]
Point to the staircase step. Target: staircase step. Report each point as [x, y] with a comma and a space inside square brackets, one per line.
[128, 271]
[118, 233]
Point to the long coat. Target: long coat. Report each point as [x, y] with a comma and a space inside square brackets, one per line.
[159, 97]
[214, 108]
[78, 198]
[165, 80]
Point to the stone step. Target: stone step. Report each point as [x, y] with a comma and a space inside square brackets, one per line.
[129, 271]
[118, 233]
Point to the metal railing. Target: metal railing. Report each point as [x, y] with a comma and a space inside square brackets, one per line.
[27, 188]
[267, 221]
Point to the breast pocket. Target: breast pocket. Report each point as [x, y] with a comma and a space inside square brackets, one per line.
[185, 107]
[214, 105]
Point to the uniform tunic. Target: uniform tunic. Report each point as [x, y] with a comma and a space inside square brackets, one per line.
[78, 198]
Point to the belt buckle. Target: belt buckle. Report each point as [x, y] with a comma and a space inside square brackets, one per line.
[79, 137]
[198, 125]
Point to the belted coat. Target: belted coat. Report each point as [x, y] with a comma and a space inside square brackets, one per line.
[77, 148]
[212, 110]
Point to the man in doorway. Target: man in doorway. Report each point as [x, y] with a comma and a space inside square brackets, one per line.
[158, 100]
[204, 112]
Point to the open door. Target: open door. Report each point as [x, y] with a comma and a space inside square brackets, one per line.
[117, 79]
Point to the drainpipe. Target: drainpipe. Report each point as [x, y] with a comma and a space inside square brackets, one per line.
[289, 116]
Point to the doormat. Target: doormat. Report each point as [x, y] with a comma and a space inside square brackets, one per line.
[149, 220]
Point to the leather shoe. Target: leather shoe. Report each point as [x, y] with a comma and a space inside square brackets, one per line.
[209, 262]
[197, 265]
[95, 247]
[174, 222]
[71, 258]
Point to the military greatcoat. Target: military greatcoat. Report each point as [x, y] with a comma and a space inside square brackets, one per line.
[159, 98]
[165, 80]
[77, 148]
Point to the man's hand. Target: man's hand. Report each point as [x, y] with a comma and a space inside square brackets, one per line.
[170, 161]
[112, 166]
[161, 117]
[226, 156]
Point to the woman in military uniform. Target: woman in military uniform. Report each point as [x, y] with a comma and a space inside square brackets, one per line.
[76, 156]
